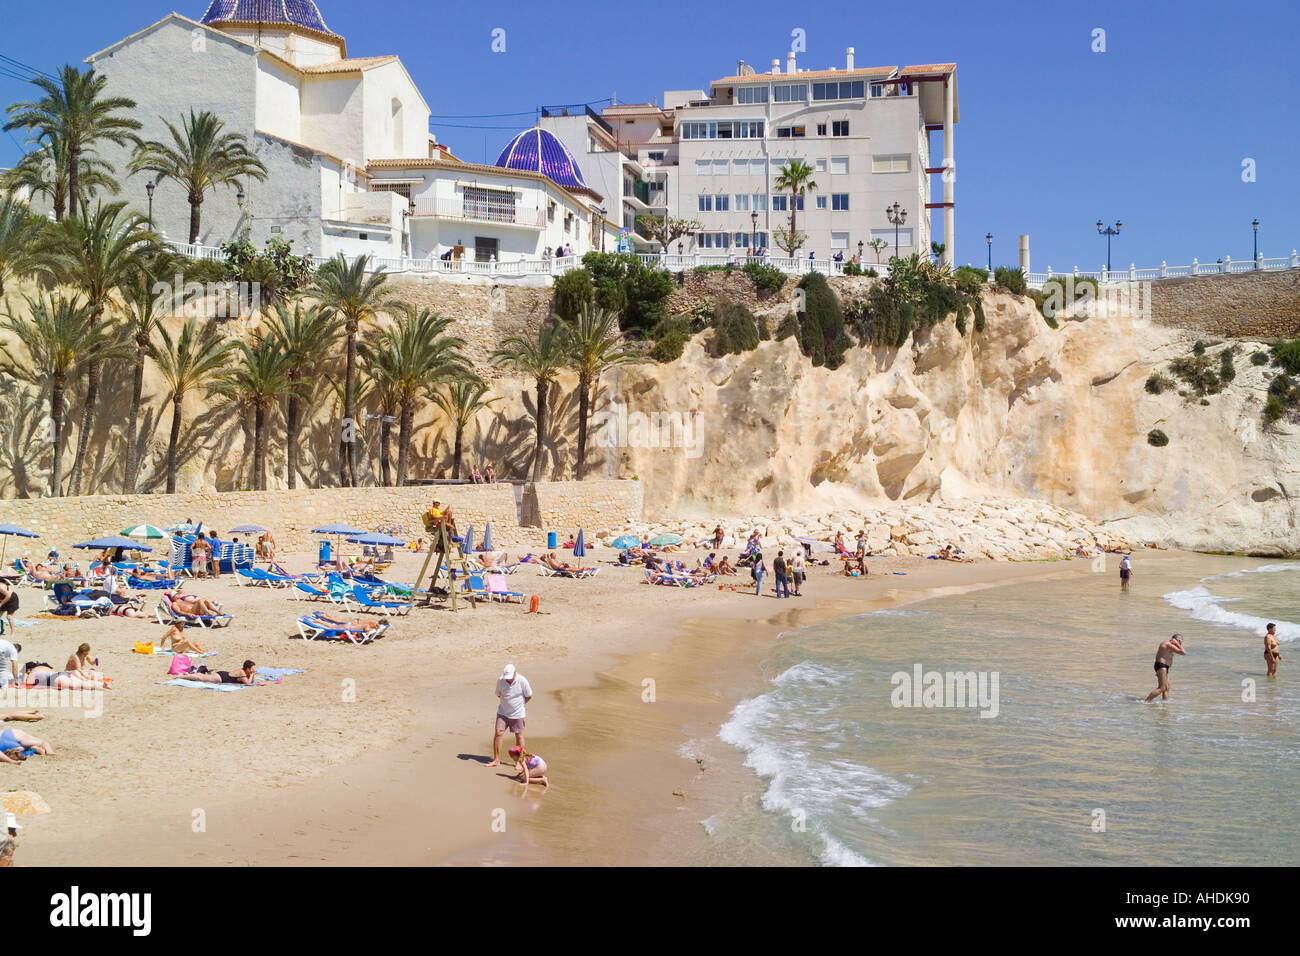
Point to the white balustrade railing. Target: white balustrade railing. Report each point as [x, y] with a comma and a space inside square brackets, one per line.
[1224, 266]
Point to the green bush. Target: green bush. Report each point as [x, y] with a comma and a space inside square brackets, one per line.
[573, 290]
[669, 347]
[1157, 383]
[728, 267]
[1196, 371]
[1274, 409]
[767, 280]
[626, 285]
[823, 322]
[1227, 370]
[1061, 292]
[1157, 438]
[789, 326]
[737, 331]
[1013, 280]
[1259, 358]
[979, 315]
[1198, 348]
[970, 278]
[961, 323]
[1287, 355]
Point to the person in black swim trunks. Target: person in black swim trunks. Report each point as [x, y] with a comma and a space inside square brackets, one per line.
[244, 675]
[1165, 660]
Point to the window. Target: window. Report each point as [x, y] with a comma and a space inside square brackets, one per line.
[751, 94]
[840, 128]
[757, 167]
[877, 89]
[742, 202]
[722, 129]
[742, 240]
[493, 205]
[705, 240]
[722, 203]
[485, 248]
[847, 90]
[760, 202]
[821, 165]
[790, 93]
[821, 129]
[839, 240]
[760, 240]
[720, 167]
[897, 163]
[655, 156]
[722, 240]
[821, 202]
[780, 203]
[550, 211]
[706, 202]
[840, 201]
[402, 189]
[791, 132]
[704, 167]
[904, 236]
[904, 89]
[839, 165]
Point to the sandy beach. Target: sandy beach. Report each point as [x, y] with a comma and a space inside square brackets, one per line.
[375, 754]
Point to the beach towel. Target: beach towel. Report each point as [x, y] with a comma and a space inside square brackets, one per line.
[275, 673]
[181, 682]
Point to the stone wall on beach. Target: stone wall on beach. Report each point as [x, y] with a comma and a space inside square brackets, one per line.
[596, 504]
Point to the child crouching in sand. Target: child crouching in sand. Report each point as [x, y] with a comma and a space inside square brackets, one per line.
[530, 767]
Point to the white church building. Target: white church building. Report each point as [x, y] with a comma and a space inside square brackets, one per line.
[351, 164]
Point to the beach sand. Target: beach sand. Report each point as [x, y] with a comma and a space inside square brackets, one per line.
[376, 754]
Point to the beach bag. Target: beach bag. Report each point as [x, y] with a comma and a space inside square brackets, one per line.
[142, 647]
[180, 665]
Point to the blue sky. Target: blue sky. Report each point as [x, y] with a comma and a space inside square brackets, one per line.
[1053, 136]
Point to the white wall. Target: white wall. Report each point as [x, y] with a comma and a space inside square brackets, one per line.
[333, 115]
[299, 49]
[279, 104]
[382, 85]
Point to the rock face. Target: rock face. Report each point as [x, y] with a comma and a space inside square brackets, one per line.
[1018, 410]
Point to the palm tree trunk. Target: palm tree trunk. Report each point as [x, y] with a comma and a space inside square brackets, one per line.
[794, 228]
[194, 218]
[542, 388]
[259, 449]
[133, 422]
[172, 441]
[56, 418]
[87, 422]
[291, 435]
[404, 425]
[385, 429]
[584, 407]
[74, 177]
[456, 454]
[349, 409]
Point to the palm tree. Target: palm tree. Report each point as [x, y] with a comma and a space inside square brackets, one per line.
[60, 336]
[594, 346]
[19, 233]
[406, 359]
[796, 177]
[257, 381]
[97, 253]
[461, 402]
[200, 157]
[356, 297]
[75, 111]
[877, 246]
[44, 172]
[540, 359]
[186, 363]
[937, 250]
[306, 334]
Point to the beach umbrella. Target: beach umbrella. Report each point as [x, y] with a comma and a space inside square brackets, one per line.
[579, 547]
[248, 529]
[112, 541]
[660, 540]
[374, 537]
[144, 531]
[336, 529]
[13, 529]
[487, 537]
[625, 541]
[467, 544]
[185, 527]
[815, 545]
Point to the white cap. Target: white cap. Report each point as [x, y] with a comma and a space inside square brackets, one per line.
[508, 673]
[11, 822]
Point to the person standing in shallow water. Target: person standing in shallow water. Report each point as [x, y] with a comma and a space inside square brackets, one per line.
[1272, 649]
[1125, 572]
[1165, 660]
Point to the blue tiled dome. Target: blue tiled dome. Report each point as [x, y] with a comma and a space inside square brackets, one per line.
[538, 151]
[301, 13]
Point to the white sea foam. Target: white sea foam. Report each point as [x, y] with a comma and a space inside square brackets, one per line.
[1205, 605]
[710, 825]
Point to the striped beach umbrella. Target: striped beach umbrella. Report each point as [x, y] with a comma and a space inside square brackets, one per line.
[144, 531]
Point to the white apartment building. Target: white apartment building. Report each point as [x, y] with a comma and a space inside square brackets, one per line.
[865, 132]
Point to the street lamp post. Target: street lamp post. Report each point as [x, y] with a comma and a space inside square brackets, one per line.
[896, 216]
[988, 237]
[1108, 232]
[753, 233]
[1254, 225]
[149, 187]
[859, 252]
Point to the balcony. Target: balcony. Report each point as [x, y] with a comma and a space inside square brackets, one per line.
[461, 210]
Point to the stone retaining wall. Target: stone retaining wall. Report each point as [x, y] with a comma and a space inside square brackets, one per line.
[595, 504]
[1251, 305]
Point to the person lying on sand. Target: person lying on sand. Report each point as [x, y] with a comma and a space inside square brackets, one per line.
[854, 562]
[22, 715]
[530, 767]
[14, 742]
[43, 675]
[245, 675]
[193, 605]
[950, 554]
[180, 643]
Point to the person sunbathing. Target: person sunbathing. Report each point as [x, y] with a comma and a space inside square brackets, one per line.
[950, 554]
[146, 574]
[42, 573]
[853, 563]
[245, 675]
[724, 566]
[29, 715]
[14, 742]
[180, 643]
[346, 625]
[555, 564]
[80, 665]
[43, 675]
[193, 605]
[492, 561]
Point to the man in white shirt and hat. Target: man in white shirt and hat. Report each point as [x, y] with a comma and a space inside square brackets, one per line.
[515, 692]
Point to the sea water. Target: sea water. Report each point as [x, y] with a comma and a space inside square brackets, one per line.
[1069, 767]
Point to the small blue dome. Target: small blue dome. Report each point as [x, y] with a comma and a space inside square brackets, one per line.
[300, 13]
[538, 150]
